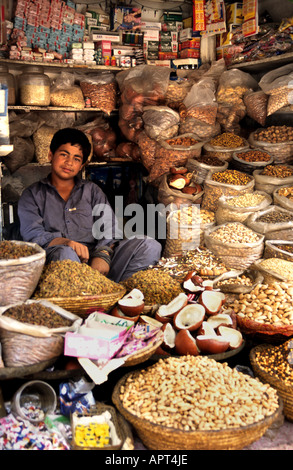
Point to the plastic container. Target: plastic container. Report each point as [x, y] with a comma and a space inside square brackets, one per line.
[35, 394]
[34, 87]
[8, 79]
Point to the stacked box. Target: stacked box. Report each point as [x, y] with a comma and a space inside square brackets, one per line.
[48, 26]
[234, 14]
[189, 44]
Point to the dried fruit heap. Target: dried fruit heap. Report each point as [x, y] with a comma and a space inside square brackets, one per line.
[10, 250]
[70, 278]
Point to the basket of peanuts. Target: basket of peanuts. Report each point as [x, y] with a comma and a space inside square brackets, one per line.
[189, 403]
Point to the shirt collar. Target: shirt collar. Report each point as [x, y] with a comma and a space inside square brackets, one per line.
[47, 181]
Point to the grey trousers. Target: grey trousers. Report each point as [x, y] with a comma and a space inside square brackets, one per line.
[130, 256]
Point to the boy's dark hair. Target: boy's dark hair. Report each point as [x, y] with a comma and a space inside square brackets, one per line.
[73, 137]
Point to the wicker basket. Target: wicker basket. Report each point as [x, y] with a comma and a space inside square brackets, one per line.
[264, 332]
[98, 409]
[19, 277]
[285, 391]
[157, 437]
[82, 305]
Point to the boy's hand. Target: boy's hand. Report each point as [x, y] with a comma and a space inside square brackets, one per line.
[100, 265]
[80, 249]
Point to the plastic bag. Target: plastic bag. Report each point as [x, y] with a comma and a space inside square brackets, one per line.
[278, 85]
[65, 93]
[201, 103]
[168, 154]
[141, 86]
[101, 91]
[160, 122]
[24, 125]
[22, 153]
[201, 130]
[42, 140]
[176, 92]
[233, 84]
[256, 103]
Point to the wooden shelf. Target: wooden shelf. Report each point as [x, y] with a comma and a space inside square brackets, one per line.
[264, 65]
[60, 65]
[54, 108]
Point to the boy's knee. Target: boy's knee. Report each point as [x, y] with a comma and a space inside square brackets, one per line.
[60, 253]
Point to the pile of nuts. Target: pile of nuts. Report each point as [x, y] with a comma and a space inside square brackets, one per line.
[37, 314]
[286, 192]
[277, 361]
[197, 393]
[233, 177]
[246, 200]
[254, 156]
[209, 160]
[241, 280]
[183, 141]
[267, 303]
[278, 171]
[10, 250]
[274, 134]
[235, 233]
[192, 215]
[279, 266]
[228, 140]
[275, 217]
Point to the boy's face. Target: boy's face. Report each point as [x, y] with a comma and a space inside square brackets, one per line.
[67, 161]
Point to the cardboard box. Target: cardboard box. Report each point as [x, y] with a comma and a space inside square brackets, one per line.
[167, 55]
[189, 53]
[106, 47]
[98, 36]
[190, 44]
[162, 63]
[100, 337]
[187, 33]
[151, 35]
[234, 13]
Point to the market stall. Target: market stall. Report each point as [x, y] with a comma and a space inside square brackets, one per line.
[194, 352]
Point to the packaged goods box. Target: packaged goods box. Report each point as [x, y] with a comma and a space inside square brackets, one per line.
[187, 33]
[190, 44]
[189, 53]
[234, 13]
[98, 36]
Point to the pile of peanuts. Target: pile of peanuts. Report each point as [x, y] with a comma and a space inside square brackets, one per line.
[267, 303]
[228, 140]
[233, 177]
[235, 233]
[246, 200]
[192, 215]
[197, 393]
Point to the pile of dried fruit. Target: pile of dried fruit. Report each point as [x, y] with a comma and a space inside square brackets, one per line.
[70, 279]
[158, 287]
[37, 314]
[10, 250]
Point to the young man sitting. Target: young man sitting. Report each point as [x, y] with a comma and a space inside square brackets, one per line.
[57, 214]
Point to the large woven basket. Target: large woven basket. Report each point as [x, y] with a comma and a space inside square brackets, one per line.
[84, 304]
[264, 332]
[285, 391]
[19, 277]
[157, 437]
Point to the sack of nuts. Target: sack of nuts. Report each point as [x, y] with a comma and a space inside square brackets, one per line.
[276, 84]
